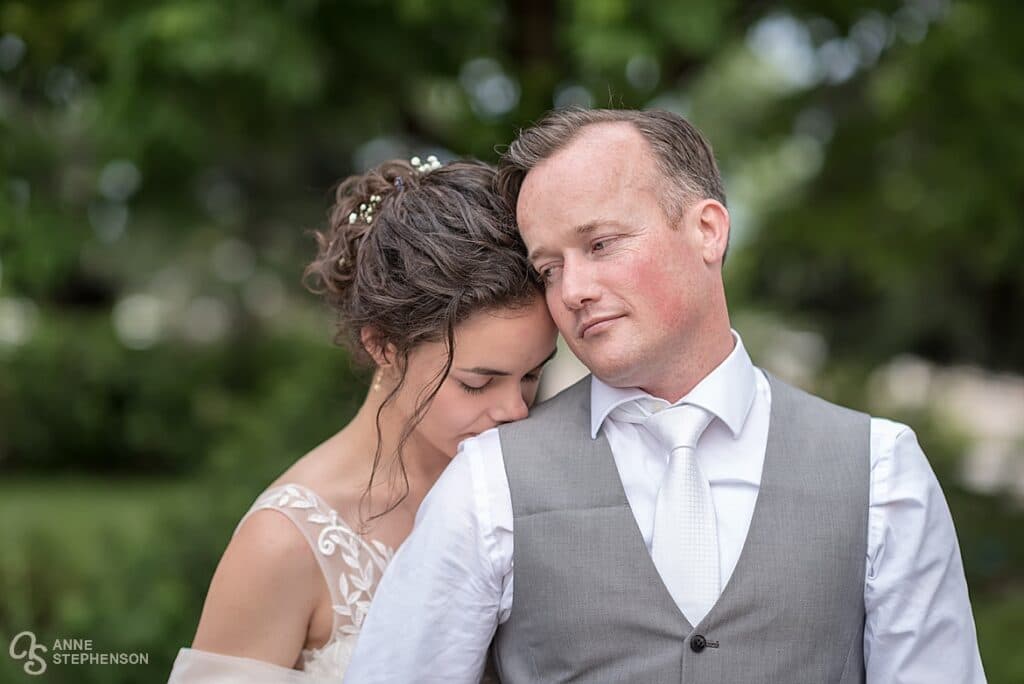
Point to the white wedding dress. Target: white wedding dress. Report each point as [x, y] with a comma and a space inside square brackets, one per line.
[352, 566]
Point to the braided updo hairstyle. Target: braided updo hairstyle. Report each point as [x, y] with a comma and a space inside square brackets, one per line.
[410, 254]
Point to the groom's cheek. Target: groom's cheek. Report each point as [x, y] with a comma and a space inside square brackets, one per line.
[660, 292]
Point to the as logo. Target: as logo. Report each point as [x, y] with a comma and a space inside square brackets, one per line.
[24, 646]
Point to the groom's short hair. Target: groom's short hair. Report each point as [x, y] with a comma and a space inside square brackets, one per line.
[684, 156]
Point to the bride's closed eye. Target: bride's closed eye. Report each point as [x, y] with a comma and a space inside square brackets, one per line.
[473, 389]
[477, 389]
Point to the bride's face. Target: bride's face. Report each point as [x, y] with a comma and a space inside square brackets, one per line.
[498, 359]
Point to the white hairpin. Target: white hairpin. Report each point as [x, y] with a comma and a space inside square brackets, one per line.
[430, 164]
[365, 211]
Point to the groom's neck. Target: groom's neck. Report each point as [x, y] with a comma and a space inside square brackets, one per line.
[680, 374]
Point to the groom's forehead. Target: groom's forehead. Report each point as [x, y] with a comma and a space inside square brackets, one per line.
[598, 171]
[601, 153]
[598, 150]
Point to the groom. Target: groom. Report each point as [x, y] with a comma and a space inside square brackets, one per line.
[680, 515]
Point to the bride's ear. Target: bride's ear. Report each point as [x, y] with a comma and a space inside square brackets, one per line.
[382, 354]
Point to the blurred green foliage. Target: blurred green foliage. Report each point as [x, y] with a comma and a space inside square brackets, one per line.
[161, 162]
[912, 228]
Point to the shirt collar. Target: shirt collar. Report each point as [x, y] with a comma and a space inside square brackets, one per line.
[727, 392]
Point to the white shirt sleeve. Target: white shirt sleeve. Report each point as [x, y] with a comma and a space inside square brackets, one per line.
[919, 626]
[437, 606]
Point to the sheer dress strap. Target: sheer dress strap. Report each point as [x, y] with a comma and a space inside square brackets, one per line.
[351, 565]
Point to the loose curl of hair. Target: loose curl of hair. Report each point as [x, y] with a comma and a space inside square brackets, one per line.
[441, 247]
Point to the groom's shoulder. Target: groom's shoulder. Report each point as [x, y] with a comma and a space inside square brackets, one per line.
[808, 404]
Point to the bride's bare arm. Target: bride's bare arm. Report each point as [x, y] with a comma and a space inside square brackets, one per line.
[263, 593]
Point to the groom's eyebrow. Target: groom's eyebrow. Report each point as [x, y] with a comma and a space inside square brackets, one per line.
[481, 370]
[581, 231]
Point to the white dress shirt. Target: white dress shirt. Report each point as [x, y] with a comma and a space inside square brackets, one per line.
[451, 583]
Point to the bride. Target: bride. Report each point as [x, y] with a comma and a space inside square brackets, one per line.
[423, 267]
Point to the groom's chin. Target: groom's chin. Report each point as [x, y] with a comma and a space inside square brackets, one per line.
[616, 370]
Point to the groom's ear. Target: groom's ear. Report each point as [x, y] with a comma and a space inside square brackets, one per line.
[382, 354]
[712, 220]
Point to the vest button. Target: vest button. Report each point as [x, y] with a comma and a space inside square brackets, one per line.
[698, 643]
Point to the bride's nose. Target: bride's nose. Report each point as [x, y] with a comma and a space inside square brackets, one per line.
[512, 406]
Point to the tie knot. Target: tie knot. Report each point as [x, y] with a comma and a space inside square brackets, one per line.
[678, 426]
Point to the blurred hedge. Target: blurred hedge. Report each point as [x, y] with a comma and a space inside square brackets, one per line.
[127, 562]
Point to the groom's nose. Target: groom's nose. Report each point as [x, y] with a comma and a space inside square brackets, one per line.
[577, 282]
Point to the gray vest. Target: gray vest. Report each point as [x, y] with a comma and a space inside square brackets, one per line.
[589, 605]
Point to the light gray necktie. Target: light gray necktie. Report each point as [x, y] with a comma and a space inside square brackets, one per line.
[685, 541]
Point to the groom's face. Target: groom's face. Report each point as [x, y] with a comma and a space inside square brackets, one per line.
[626, 282]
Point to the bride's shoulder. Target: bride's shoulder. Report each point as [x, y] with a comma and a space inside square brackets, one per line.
[267, 575]
[334, 470]
[270, 545]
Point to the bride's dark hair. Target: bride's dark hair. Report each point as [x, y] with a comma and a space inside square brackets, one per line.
[410, 254]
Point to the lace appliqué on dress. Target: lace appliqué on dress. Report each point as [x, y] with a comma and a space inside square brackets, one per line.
[352, 567]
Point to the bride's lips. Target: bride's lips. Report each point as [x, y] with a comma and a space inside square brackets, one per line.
[596, 325]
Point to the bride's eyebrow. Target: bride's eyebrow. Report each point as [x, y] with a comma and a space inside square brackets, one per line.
[482, 370]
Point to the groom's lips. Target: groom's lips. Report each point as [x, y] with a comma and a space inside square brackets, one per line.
[597, 323]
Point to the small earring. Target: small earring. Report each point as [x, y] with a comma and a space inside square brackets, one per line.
[376, 381]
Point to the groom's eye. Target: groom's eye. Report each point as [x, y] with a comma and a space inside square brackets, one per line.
[547, 273]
